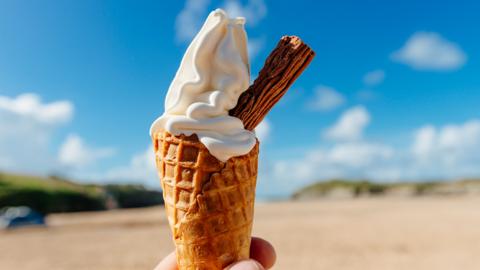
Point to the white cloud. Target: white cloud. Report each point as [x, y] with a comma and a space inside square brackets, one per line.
[359, 154]
[30, 105]
[424, 142]
[350, 160]
[430, 51]
[74, 153]
[141, 169]
[446, 152]
[254, 11]
[350, 157]
[263, 130]
[350, 126]
[190, 19]
[26, 128]
[326, 98]
[451, 146]
[374, 77]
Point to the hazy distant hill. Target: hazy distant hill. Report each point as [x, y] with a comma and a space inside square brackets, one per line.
[53, 194]
[340, 188]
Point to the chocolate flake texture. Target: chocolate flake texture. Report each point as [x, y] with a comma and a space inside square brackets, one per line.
[283, 66]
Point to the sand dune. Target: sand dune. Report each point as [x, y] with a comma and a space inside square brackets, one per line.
[350, 234]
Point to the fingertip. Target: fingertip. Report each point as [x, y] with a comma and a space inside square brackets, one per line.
[246, 265]
[263, 252]
[168, 263]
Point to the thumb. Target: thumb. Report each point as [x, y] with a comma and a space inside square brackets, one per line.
[245, 265]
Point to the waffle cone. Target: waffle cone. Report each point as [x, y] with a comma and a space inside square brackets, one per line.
[209, 203]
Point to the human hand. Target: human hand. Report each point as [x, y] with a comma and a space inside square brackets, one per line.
[262, 256]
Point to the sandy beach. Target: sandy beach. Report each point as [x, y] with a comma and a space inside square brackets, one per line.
[383, 234]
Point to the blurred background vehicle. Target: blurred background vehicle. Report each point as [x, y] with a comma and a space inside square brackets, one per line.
[20, 216]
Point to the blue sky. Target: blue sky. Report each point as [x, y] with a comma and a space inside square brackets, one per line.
[392, 94]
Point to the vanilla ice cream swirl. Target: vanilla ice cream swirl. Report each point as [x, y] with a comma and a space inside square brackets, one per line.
[213, 73]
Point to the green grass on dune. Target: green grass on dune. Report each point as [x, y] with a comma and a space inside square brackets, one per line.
[48, 195]
[54, 194]
[363, 187]
[51, 183]
[357, 187]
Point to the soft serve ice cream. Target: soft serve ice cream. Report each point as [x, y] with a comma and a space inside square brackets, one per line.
[213, 73]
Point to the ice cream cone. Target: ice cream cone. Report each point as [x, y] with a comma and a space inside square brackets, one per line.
[209, 203]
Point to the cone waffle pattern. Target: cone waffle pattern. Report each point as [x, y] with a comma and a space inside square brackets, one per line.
[209, 203]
